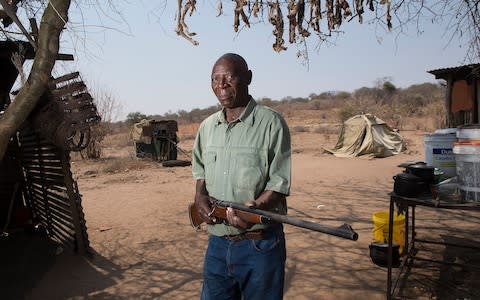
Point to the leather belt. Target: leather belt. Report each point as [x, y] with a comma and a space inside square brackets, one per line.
[247, 235]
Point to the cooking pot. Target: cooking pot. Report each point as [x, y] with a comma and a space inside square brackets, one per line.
[407, 185]
[425, 172]
[379, 254]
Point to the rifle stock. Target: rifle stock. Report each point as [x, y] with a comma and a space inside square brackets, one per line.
[258, 216]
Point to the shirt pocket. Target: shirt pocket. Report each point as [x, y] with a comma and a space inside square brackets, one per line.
[209, 160]
[249, 172]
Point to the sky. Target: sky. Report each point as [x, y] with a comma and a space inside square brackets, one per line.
[149, 69]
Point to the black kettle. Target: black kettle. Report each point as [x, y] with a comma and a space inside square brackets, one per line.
[408, 185]
[425, 172]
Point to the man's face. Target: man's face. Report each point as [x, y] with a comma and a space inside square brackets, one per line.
[230, 83]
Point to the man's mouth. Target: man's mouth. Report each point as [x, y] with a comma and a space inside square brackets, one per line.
[225, 97]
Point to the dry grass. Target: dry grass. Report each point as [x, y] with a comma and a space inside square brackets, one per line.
[187, 131]
[119, 140]
[299, 128]
[124, 164]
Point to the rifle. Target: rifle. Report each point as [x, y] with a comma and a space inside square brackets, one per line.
[258, 216]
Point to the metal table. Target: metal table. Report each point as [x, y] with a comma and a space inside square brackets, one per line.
[408, 206]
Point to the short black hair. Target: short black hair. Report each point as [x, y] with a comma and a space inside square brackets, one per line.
[235, 57]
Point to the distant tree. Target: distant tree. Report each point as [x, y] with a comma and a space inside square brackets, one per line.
[266, 101]
[326, 95]
[342, 95]
[389, 87]
[286, 99]
[135, 117]
[298, 100]
[109, 109]
[363, 92]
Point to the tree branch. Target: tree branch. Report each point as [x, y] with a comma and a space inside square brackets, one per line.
[52, 24]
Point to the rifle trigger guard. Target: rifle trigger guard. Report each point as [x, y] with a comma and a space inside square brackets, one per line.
[211, 212]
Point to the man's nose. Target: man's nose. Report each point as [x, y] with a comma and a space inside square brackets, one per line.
[223, 81]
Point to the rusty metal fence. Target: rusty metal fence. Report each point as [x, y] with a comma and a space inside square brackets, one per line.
[51, 192]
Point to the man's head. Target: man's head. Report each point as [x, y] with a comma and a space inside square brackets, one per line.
[230, 80]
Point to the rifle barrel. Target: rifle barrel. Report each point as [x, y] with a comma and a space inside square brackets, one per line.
[345, 231]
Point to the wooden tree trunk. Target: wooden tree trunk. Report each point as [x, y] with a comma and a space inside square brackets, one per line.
[53, 22]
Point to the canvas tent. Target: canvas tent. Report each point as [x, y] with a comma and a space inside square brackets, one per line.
[366, 134]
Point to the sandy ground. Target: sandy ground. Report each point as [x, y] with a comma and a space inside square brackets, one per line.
[144, 247]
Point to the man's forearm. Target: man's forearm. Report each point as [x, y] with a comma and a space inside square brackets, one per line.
[201, 188]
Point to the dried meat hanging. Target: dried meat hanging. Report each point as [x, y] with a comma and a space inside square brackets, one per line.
[335, 11]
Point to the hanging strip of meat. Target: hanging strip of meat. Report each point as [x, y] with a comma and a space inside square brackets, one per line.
[330, 14]
[370, 5]
[292, 20]
[256, 8]
[240, 13]
[359, 10]
[345, 7]
[275, 17]
[338, 14]
[300, 16]
[182, 28]
[220, 8]
[315, 14]
[389, 16]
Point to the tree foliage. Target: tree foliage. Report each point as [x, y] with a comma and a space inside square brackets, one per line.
[389, 87]
[109, 109]
[135, 117]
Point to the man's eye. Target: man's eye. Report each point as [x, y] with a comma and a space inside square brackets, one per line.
[227, 77]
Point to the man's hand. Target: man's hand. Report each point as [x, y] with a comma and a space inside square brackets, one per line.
[203, 203]
[204, 207]
[237, 221]
[265, 201]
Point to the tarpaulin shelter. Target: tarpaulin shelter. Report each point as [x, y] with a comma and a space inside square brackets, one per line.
[366, 134]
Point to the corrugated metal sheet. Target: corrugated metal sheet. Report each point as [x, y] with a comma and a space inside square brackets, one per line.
[457, 72]
[52, 193]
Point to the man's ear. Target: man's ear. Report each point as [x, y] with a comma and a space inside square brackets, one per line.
[248, 77]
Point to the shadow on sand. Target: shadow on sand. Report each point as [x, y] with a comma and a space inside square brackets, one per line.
[27, 258]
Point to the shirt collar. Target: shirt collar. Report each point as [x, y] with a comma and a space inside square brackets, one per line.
[246, 117]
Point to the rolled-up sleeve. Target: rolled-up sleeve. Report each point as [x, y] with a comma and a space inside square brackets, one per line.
[198, 167]
[279, 157]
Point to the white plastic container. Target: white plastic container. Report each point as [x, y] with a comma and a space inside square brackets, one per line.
[439, 150]
[468, 132]
[467, 156]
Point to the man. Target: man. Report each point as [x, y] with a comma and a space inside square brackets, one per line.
[242, 154]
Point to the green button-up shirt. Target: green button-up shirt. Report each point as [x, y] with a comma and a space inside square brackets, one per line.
[241, 159]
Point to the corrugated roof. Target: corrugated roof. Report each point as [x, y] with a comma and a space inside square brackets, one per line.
[459, 71]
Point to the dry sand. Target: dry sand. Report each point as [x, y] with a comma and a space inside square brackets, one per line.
[144, 247]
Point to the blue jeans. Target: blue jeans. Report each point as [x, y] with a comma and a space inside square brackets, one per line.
[252, 269]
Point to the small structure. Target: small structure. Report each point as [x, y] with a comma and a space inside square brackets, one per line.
[36, 184]
[367, 134]
[156, 139]
[463, 94]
